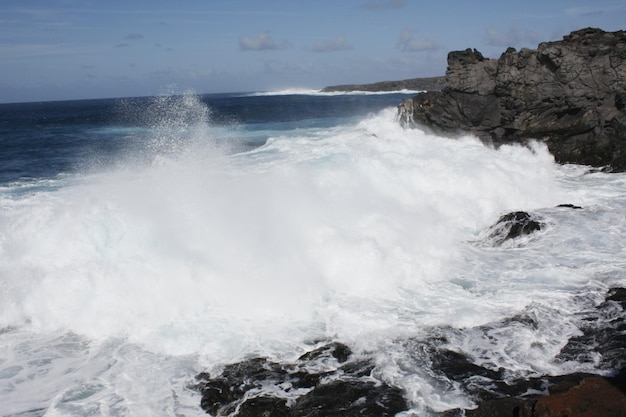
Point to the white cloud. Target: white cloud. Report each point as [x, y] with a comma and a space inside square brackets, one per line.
[262, 42]
[340, 43]
[408, 43]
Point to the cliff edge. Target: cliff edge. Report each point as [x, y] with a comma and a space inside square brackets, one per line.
[570, 94]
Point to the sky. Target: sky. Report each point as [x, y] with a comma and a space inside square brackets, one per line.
[81, 49]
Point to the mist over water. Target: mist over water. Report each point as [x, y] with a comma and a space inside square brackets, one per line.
[188, 252]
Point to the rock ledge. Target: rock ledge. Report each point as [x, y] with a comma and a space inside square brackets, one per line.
[570, 94]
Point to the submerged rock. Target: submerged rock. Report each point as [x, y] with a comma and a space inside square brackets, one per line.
[570, 94]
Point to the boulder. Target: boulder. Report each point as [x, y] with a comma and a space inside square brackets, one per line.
[570, 94]
[593, 396]
[512, 225]
[590, 396]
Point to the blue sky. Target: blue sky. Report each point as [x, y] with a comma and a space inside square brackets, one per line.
[74, 49]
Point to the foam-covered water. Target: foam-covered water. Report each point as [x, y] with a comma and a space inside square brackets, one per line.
[121, 281]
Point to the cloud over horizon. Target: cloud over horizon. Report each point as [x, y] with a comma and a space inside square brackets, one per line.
[262, 42]
[339, 43]
[408, 43]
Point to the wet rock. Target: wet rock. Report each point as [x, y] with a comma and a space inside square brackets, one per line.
[603, 339]
[570, 94]
[260, 387]
[593, 396]
[264, 406]
[590, 396]
[572, 206]
[513, 225]
[574, 395]
[330, 381]
[458, 367]
[503, 407]
[344, 398]
[337, 350]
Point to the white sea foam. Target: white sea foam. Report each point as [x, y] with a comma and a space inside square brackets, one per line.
[120, 285]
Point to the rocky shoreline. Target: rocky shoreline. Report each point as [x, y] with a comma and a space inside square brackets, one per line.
[330, 380]
[570, 94]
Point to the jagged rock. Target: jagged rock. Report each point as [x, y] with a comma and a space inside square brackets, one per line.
[589, 396]
[574, 395]
[260, 387]
[513, 225]
[337, 350]
[264, 406]
[603, 335]
[594, 396]
[570, 94]
[330, 381]
[350, 399]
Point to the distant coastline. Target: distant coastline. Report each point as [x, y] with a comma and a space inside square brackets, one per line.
[415, 84]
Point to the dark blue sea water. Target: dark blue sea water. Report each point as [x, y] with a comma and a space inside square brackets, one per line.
[145, 240]
[42, 140]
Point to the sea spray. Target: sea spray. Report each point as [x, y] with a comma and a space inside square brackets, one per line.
[121, 282]
[368, 212]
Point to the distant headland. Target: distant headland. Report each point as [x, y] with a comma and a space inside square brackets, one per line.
[412, 84]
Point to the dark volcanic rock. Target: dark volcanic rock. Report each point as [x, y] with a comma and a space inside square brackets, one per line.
[570, 94]
[264, 406]
[594, 396]
[259, 387]
[329, 381]
[575, 395]
[513, 225]
[350, 399]
[588, 396]
[603, 341]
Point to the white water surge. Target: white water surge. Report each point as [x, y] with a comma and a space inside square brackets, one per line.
[118, 286]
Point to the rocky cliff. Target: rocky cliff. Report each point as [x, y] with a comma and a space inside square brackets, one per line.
[570, 94]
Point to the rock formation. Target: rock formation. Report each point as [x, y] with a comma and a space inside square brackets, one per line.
[331, 381]
[513, 225]
[570, 94]
[300, 389]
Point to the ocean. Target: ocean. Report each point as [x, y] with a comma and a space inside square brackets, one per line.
[146, 240]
